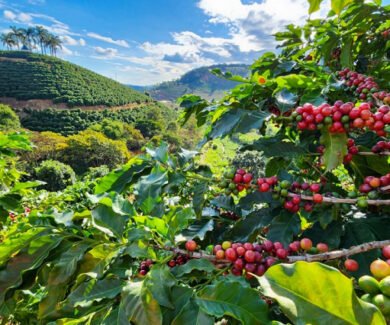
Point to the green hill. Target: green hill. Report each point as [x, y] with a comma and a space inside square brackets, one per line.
[26, 76]
[198, 81]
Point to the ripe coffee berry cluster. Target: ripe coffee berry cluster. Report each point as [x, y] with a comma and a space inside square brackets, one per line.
[144, 267]
[179, 259]
[381, 146]
[294, 203]
[236, 181]
[352, 150]
[341, 117]
[256, 258]
[363, 86]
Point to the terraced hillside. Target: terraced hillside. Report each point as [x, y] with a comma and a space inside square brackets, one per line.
[27, 76]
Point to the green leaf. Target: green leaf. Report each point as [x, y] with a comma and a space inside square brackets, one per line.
[238, 120]
[338, 5]
[138, 306]
[16, 241]
[59, 276]
[249, 227]
[160, 282]
[285, 100]
[196, 105]
[118, 180]
[180, 298]
[191, 314]
[232, 299]
[275, 147]
[314, 5]
[335, 149]
[105, 219]
[178, 220]
[199, 198]
[149, 189]
[310, 293]
[284, 227]
[346, 58]
[194, 264]
[160, 154]
[198, 229]
[26, 260]
[294, 81]
[94, 291]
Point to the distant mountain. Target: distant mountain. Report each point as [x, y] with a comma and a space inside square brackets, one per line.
[32, 77]
[198, 81]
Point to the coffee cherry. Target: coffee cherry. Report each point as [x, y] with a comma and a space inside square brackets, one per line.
[220, 255]
[294, 246]
[217, 248]
[240, 251]
[351, 265]
[268, 245]
[226, 245]
[380, 269]
[386, 252]
[322, 247]
[247, 178]
[237, 178]
[281, 253]
[239, 264]
[248, 246]
[317, 198]
[231, 254]
[315, 188]
[250, 256]
[306, 244]
[191, 245]
[264, 187]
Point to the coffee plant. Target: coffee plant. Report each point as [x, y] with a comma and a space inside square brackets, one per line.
[162, 240]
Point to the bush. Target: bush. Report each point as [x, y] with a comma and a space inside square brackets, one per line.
[92, 149]
[8, 119]
[133, 137]
[110, 128]
[56, 175]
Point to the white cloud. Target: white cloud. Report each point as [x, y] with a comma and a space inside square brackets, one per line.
[64, 51]
[20, 17]
[68, 40]
[122, 43]
[105, 52]
[251, 25]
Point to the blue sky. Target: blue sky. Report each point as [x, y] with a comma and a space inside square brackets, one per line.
[144, 42]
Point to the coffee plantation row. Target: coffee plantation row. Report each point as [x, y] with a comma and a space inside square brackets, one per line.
[25, 75]
[163, 240]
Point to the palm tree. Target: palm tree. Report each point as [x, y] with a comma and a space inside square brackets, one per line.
[42, 36]
[53, 43]
[19, 35]
[30, 37]
[8, 40]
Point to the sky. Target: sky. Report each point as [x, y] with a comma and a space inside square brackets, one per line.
[144, 42]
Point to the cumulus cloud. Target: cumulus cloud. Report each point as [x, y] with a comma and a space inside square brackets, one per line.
[251, 25]
[17, 17]
[106, 39]
[105, 52]
[68, 40]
